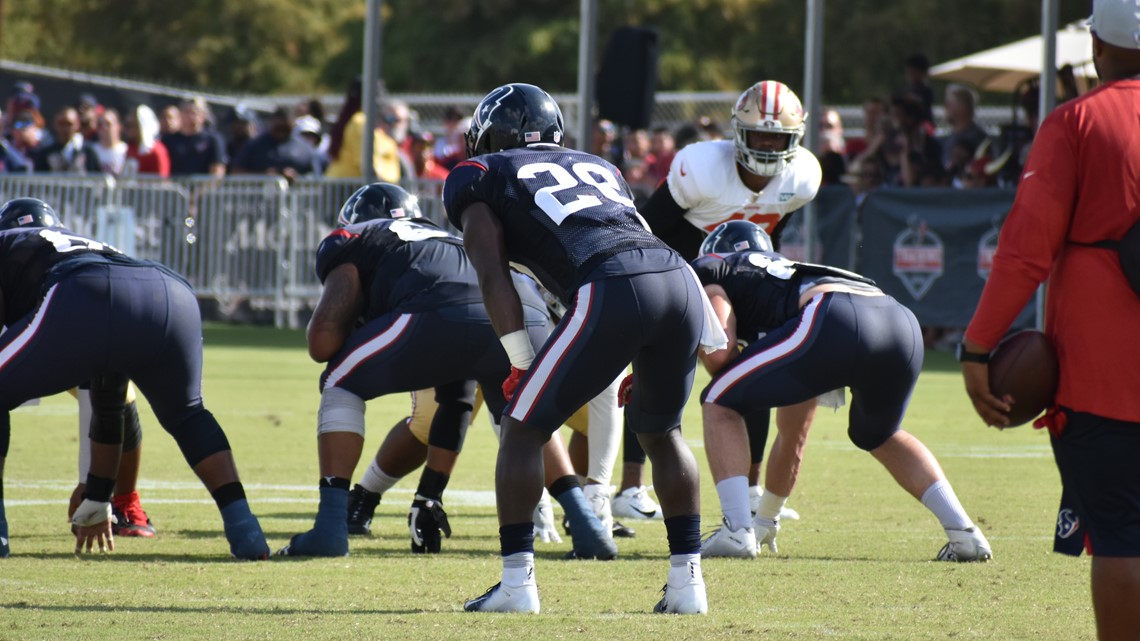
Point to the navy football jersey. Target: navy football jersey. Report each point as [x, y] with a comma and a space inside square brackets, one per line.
[404, 265]
[764, 287]
[568, 217]
[32, 259]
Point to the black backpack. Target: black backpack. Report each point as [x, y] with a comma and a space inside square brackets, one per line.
[1128, 250]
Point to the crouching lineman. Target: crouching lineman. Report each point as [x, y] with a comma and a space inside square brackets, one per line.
[424, 326]
[569, 219]
[70, 299]
[824, 329]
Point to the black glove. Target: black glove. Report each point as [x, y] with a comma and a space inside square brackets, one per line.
[426, 520]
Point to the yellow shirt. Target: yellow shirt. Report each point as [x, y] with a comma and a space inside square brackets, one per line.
[385, 153]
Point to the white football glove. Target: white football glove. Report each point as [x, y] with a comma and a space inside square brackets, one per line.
[544, 528]
[766, 530]
[92, 513]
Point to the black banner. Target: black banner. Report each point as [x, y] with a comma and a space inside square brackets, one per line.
[835, 230]
[932, 249]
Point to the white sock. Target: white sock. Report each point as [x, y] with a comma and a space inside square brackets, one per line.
[375, 480]
[605, 432]
[733, 493]
[518, 568]
[770, 505]
[683, 567]
[940, 499]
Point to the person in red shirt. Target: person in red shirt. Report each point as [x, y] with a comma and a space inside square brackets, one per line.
[145, 152]
[423, 157]
[1080, 185]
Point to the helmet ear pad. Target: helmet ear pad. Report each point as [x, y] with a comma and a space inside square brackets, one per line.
[514, 115]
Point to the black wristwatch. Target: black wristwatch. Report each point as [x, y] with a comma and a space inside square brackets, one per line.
[969, 357]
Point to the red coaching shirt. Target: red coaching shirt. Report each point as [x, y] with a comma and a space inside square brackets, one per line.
[1081, 183]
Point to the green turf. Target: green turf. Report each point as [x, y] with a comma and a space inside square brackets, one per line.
[856, 567]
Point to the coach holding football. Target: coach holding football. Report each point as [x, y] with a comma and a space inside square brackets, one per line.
[1081, 185]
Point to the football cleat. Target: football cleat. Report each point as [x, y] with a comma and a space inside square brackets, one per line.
[726, 542]
[685, 594]
[313, 544]
[426, 521]
[766, 530]
[634, 503]
[130, 519]
[501, 598]
[5, 550]
[965, 546]
[361, 508]
[597, 543]
[247, 541]
[620, 531]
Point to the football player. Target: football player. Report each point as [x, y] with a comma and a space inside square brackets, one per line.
[568, 218]
[413, 287]
[762, 175]
[66, 298]
[810, 329]
[126, 507]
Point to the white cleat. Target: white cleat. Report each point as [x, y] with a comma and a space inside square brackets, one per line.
[725, 542]
[684, 594]
[502, 598]
[965, 546]
[766, 530]
[634, 503]
[600, 498]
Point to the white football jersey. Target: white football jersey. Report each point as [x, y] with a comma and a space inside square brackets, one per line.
[703, 181]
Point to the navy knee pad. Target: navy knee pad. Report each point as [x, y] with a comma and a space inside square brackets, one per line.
[108, 398]
[198, 435]
[866, 439]
[132, 430]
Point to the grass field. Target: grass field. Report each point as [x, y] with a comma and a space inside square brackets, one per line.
[857, 566]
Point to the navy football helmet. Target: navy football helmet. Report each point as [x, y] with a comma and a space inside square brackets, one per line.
[27, 212]
[378, 200]
[736, 236]
[514, 115]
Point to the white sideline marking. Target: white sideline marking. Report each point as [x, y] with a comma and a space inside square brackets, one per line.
[467, 498]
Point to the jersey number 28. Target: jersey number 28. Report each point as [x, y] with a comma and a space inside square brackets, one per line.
[605, 184]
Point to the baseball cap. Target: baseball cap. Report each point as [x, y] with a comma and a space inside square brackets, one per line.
[307, 125]
[1116, 22]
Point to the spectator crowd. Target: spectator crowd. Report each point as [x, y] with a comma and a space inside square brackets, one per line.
[900, 145]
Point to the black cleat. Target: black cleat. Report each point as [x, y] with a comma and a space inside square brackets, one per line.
[361, 507]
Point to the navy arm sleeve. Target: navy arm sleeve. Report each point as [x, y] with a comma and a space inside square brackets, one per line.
[662, 211]
[460, 189]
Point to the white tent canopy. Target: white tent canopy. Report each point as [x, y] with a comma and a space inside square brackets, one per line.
[1004, 68]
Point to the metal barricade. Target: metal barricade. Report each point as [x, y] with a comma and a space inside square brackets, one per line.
[237, 254]
[77, 199]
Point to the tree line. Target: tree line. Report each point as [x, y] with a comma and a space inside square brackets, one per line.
[436, 46]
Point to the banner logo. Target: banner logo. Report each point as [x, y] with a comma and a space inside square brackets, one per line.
[919, 258]
[987, 247]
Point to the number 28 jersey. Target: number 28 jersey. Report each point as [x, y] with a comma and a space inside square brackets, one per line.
[568, 217]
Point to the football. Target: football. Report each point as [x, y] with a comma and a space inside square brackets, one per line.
[1024, 365]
